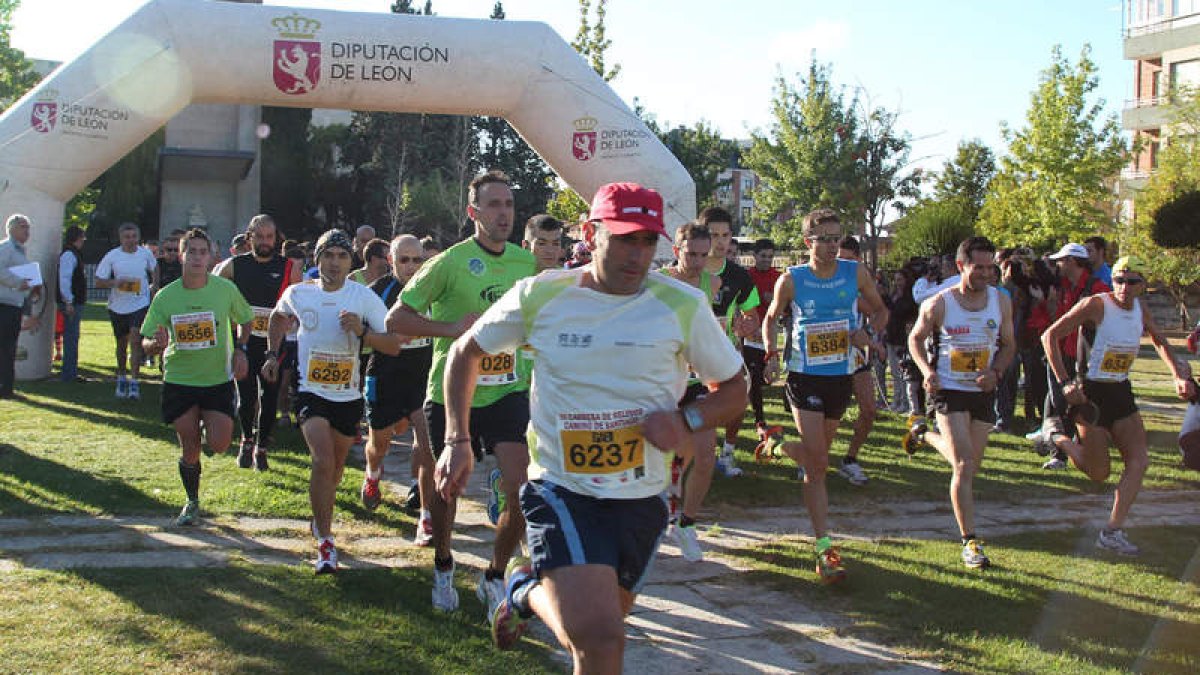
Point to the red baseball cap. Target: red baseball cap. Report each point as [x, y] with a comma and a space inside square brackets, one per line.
[628, 207]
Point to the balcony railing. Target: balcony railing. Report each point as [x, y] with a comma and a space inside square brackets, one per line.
[1146, 102]
[1140, 21]
[1130, 173]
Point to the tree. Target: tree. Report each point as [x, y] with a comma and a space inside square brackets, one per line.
[966, 177]
[501, 147]
[1163, 231]
[590, 40]
[1051, 186]
[931, 228]
[16, 72]
[704, 154]
[567, 206]
[287, 176]
[825, 149]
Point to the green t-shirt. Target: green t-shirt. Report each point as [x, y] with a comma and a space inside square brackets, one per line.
[468, 278]
[199, 322]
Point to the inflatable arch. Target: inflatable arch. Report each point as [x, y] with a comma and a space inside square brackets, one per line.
[92, 111]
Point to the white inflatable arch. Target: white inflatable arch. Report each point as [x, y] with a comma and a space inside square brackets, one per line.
[171, 53]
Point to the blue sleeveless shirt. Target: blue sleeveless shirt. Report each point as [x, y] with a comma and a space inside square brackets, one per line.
[823, 317]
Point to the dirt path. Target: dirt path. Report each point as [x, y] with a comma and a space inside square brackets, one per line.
[692, 617]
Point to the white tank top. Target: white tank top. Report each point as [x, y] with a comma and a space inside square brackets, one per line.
[1117, 340]
[967, 341]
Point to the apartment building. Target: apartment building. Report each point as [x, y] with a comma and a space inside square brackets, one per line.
[1162, 39]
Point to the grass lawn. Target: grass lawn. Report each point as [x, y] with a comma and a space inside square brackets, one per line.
[1048, 603]
[74, 448]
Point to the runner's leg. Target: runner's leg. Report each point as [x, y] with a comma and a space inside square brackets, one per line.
[1130, 436]
[582, 607]
[322, 485]
[513, 459]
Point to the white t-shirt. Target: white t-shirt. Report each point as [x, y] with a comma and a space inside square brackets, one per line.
[603, 362]
[133, 272]
[328, 355]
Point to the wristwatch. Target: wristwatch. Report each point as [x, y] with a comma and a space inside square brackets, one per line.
[693, 419]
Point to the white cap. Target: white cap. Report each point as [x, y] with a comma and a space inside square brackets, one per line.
[1072, 250]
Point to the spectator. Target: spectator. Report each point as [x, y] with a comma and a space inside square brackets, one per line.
[72, 297]
[14, 292]
[580, 255]
[1097, 249]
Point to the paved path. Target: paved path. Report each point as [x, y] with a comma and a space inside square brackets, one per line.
[692, 617]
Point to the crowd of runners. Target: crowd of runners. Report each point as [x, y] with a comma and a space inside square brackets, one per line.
[610, 394]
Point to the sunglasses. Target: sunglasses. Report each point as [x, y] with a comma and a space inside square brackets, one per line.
[405, 259]
[825, 238]
[1129, 281]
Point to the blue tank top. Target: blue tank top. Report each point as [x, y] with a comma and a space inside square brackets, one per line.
[824, 316]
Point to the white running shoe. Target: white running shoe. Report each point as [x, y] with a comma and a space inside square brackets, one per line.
[327, 557]
[490, 593]
[854, 473]
[1117, 542]
[726, 466]
[689, 543]
[445, 597]
[1054, 464]
[134, 392]
[424, 536]
[122, 387]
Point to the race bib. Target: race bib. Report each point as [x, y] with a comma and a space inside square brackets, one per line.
[612, 451]
[261, 322]
[131, 286]
[966, 360]
[497, 369]
[827, 342]
[417, 343]
[1117, 361]
[197, 330]
[330, 371]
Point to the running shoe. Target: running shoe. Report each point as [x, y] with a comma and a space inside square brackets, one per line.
[973, 555]
[853, 472]
[1117, 542]
[245, 456]
[490, 593]
[424, 536]
[371, 496]
[689, 543]
[1042, 445]
[122, 387]
[726, 465]
[134, 393]
[260, 459]
[507, 624]
[189, 515]
[496, 500]
[1055, 463]
[915, 436]
[327, 559]
[829, 566]
[445, 598]
[412, 503]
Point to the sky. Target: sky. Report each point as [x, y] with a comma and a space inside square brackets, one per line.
[953, 69]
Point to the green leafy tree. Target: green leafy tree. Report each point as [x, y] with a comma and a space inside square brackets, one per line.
[1162, 233]
[931, 228]
[591, 41]
[1052, 186]
[567, 205]
[704, 154]
[966, 177]
[16, 72]
[882, 167]
[128, 191]
[808, 156]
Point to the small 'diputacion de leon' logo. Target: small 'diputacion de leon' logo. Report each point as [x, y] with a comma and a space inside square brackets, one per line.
[44, 114]
[296, 57]
[583, 143]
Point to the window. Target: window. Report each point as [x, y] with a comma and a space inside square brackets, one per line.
[1185, 73]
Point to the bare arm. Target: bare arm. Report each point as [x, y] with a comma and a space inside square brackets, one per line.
[928, 320]
[780, 299]
[1180, 370]
[226, 271]
[404, 320]
[1090, 310]
[458, 384]
[664, 429]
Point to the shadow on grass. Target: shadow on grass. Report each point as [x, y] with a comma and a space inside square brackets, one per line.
[272, 619]
[26, 480]
[1041, 605]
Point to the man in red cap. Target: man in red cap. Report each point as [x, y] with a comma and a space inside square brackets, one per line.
[603, 434]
